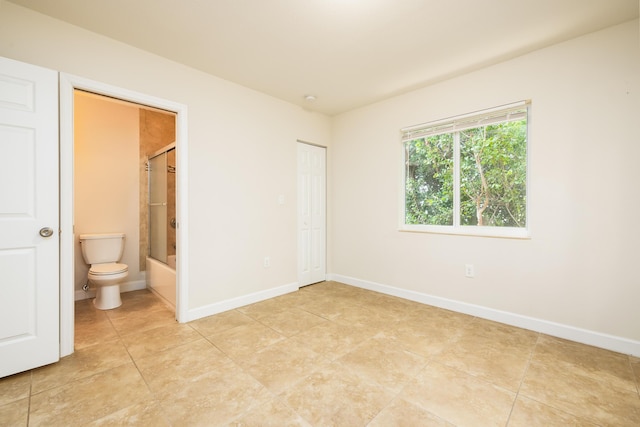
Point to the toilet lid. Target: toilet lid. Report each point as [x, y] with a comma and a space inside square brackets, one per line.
[111, 268]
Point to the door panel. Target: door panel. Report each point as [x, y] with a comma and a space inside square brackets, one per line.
[29, 224]
[311, 214]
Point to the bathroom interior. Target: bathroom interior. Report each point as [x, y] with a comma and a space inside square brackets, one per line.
[125, 182]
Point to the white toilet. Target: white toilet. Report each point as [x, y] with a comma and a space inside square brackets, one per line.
[102, 252]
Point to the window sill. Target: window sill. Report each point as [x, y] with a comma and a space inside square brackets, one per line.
[493, 232]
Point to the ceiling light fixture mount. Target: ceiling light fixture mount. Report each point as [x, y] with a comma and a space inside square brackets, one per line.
[310, 98]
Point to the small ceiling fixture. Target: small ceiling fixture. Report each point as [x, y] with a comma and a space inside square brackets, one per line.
[310, 98]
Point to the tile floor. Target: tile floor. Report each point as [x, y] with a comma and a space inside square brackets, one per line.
[327, 355]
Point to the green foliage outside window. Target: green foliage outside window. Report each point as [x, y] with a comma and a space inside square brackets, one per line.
[492, 169]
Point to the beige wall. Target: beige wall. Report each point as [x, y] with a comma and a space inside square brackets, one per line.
[242, 151]
[106, 176]
[580, 266]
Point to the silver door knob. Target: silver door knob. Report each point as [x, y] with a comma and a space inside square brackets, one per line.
[46, 231]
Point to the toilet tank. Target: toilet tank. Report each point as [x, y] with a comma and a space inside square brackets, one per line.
[102, 248]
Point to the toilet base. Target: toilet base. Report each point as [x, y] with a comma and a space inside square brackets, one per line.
[107, 297]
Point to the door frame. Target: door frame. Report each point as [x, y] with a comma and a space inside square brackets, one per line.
[69, 83]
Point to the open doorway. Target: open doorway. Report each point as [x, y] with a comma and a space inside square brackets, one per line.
[124, 182]
[68, 243]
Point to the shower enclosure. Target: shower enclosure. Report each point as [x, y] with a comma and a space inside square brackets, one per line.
[161, 212]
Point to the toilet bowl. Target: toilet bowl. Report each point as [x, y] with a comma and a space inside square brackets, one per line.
[107, 279]
[102, 252]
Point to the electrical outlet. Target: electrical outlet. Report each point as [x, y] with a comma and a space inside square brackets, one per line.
[267, 262]
[469, 270]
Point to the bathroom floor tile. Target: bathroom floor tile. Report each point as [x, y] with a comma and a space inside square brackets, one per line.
[529, 413]
[214, 399]
[380, 361]
[220, 322]
[81, 364]
[635, 366]
[150, 342]
[90, 398]
[91, 332]
[146, 413]
[15, 387]
[494, 352]
[336, 396]
[245, 340]
[265, 308]
[458, 397]
[333, 340]
[291, 322]
[581, 395]
[167, 369]
[579, 359]
[401, 413]
[282, 364]
[272, 414]
[138, 321]
[14, 413]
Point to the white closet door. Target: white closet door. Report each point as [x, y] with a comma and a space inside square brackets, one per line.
[311, 214]
[29, 223]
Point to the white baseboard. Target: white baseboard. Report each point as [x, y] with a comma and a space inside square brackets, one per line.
[596, 339]
[230, 304]
[135, 285]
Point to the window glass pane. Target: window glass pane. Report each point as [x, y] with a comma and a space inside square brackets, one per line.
[429, 180]
[493, 162]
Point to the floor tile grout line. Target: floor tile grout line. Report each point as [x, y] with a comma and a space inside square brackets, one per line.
[524, 375]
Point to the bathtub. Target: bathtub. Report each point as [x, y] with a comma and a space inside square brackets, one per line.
[161, 279]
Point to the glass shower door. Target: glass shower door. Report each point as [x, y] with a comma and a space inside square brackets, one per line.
[158, 207]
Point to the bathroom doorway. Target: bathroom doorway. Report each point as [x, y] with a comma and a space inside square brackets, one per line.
[68, 252]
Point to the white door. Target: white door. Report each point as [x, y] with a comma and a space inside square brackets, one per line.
[29, 230]
[312, 177]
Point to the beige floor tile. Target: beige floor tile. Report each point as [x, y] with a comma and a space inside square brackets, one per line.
[328, 307]
[429, 332]
[81, 364]
[282, 365]
[146, 413]
[581, 395]
[380, 360]
[148, 343]
[271, 414]
[220, 322]
[584, 360]
[333, 340]
[265, 308]
[89, 399]
[170, 368]
[529, 413]
[15, 387]
[401, 413]
[245, 340]
[459, 398]
[15, 413]
[337, 397]
[214, 399]
[369, 317]
[92, 332]
[130, 322]
[635, 366]
[492, 351]
[291, 322]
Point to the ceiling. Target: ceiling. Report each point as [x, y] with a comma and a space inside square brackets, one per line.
[347, 53]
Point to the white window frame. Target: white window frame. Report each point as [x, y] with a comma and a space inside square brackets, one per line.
[453, 123]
